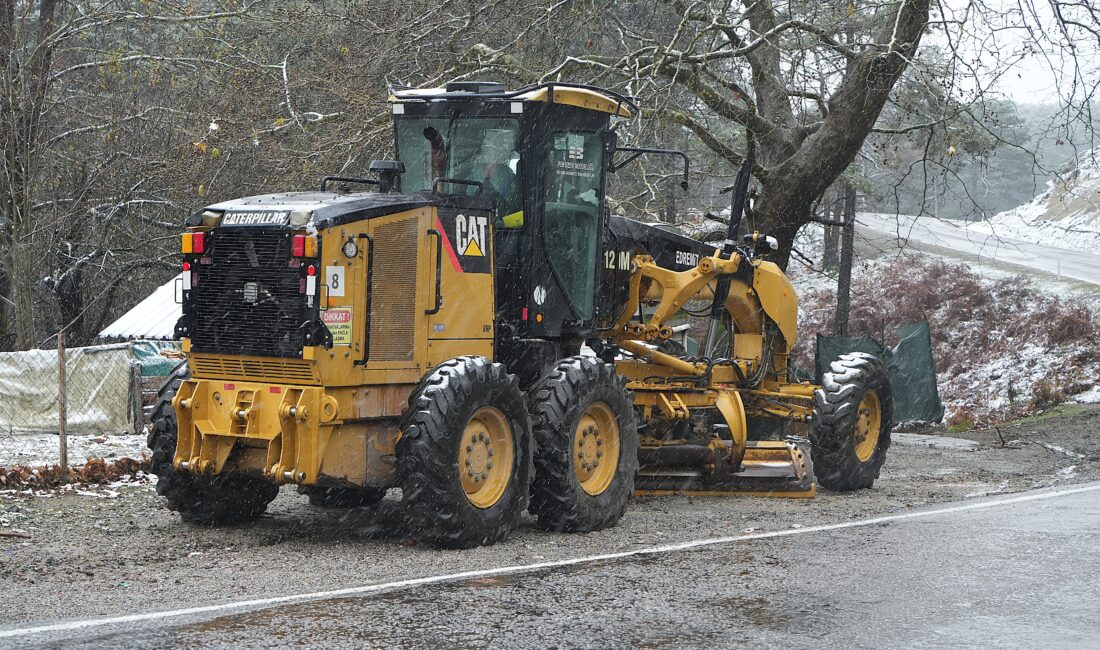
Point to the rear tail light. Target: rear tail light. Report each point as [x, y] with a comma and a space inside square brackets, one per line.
[303, 246]
[193, 243]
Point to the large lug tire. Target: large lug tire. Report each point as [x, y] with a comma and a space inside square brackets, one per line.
[586, 446]
[209, 500]
[852, 419]
[465, 454]
[330, 497]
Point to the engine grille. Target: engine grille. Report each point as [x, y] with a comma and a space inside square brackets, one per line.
[393, 305]
[248, 301]
[290, 370]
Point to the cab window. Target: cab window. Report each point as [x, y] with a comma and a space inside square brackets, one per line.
[482, 150]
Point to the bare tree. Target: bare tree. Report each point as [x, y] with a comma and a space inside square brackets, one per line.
[118, 117]
[83, 134]
[799, 85]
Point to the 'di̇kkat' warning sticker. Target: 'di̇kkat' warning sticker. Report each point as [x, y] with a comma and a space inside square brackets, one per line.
[338, 322]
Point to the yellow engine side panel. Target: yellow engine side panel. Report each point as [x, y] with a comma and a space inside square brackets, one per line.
[463, 250]
[430, 295]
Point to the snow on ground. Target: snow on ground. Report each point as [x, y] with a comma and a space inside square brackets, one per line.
[1066, 215]
[1004, 345]
[43, 449]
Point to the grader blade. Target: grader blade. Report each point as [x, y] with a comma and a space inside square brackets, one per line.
[769, 468]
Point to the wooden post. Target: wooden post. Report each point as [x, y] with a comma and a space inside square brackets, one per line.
[137, 406]
[833, 212]
[61, 417]
[844, 280]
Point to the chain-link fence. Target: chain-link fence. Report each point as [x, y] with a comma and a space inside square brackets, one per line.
[95, 392]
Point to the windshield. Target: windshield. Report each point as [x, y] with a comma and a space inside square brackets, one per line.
[482, 150]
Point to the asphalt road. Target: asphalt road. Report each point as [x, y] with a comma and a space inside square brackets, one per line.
[1020, 571]
[945, 234]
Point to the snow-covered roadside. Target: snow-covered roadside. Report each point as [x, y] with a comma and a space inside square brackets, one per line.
[37, 449]
[1000, 339]
[1078, 232]
[1065, 215]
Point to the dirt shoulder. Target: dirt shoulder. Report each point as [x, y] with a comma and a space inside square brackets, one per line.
[122, 551]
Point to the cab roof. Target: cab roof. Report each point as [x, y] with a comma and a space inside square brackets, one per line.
[582, 96]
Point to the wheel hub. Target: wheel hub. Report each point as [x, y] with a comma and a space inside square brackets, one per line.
[868, 424]
[596, 449]
[485, 457]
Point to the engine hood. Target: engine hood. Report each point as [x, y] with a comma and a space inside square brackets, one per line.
[327, 208]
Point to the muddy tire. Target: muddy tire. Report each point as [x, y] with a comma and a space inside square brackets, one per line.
[221, 499]
[329, 497]
[582, 409]
[852, 419]
[465, 454]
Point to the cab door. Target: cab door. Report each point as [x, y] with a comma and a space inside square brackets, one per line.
[573, 187]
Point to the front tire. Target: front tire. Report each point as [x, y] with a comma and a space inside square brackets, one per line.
[852, 419]
[586, 446]
[209, 500]
[465, 454]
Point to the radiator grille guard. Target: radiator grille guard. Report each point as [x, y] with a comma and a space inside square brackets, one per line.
[249, 300]
[393, 306]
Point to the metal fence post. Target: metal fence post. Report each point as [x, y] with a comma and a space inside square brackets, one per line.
[61, 417]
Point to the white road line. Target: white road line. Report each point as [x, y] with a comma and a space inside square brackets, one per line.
[528, 568]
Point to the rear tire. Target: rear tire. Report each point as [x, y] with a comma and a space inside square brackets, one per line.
[580, 402]
[210, 500]
[466, 418]
[853, 416]
[329, 497]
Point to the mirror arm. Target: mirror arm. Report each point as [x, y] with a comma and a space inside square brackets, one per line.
[638, 151]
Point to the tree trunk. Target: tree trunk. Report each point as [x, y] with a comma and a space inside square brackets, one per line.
[23, 288]
[780, 213]
[23, 106]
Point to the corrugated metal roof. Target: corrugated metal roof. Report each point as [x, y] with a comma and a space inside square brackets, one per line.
[153, 318]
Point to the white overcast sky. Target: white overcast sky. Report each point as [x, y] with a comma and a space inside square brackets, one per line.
[1020, 49]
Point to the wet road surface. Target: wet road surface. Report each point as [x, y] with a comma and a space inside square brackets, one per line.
[1021, 573]
[946, 234]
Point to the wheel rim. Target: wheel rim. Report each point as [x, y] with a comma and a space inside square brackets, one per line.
[485, 457]
[868, 426]
[596, 449]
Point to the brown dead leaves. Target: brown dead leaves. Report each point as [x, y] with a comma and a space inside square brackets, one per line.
[96, 471]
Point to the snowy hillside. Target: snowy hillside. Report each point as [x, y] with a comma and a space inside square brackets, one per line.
[1066, 215]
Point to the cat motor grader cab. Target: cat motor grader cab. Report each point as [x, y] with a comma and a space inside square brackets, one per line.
[478, 330]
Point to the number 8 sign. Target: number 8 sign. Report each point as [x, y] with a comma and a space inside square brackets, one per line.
[334, 278]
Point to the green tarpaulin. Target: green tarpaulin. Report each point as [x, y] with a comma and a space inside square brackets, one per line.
[147, 353]
[910, 366]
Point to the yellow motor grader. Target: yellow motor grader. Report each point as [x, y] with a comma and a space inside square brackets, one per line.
[472, 325]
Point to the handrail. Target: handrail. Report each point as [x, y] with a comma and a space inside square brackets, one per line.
[346, 179]
[439, 180]
[370, 296]
[438, 273]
